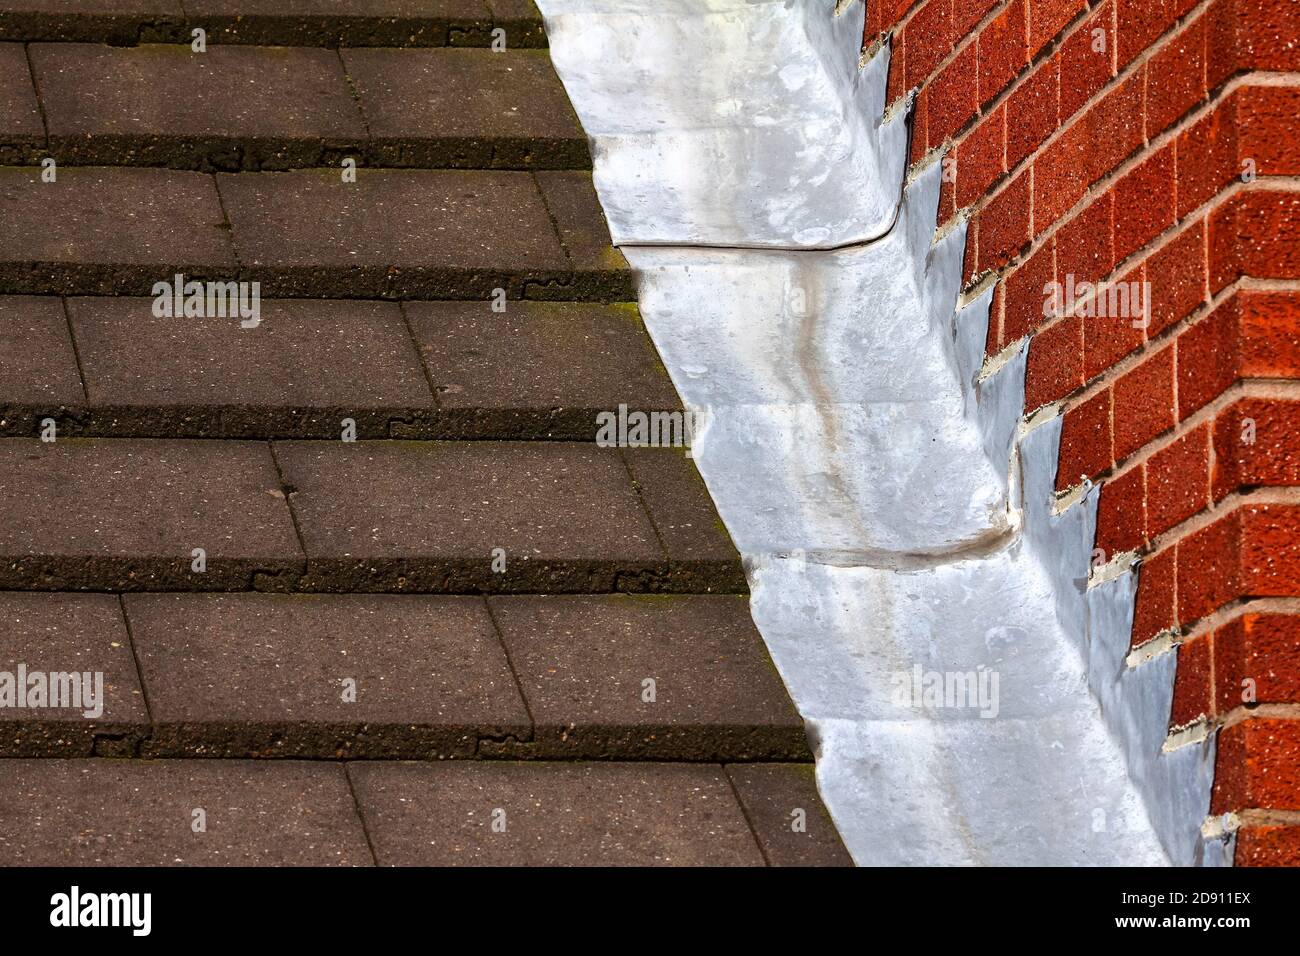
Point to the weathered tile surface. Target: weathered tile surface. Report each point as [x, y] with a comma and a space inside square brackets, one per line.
[322, 676]
[471, 109]
[102, 230]
[230, 107]
[539, 368]
[306, 367]
[664, 676]
[143, 813]
[428, 515]
[95, 21]
[107, 514]
[37, 363]
[82, 636]
[403, 233]
[21, 131]
[697, 541]
[554, 814]
[786, 812]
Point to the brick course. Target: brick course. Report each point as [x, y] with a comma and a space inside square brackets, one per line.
[1151, 141]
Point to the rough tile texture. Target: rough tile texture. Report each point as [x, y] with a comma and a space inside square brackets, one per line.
[469, 109]
[697, 541]
[662, 677]
[537, 368]
[74, 635]
[402, 233]
[94, 21]
[306, 367]
[21, 129]
[107, 514]
[554, 814]
[426, 516]
[142, 813]
[343, 23]
[267, 675]
[786, 812]
[99, 230]
[37, 364]
[571, 198]
[230, 107]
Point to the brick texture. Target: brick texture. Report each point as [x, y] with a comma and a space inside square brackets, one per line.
[1153, 143]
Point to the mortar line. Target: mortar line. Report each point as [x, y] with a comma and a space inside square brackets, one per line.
[36, 90]
[744, 811]
[356, 806]
[135, 656]
[510, 663]
[76, 351]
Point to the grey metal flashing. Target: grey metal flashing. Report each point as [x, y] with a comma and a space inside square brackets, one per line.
[896, 514]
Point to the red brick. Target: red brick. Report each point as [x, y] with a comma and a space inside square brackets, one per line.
[920, 126]
[1258, 766]
[1144, 203]
[970, 254]
[1060, 177]
[929, 40]
[1270, 459]
[979, 159]
[953, 97]
[1003, 50]
[966, 15]
[1108, 338]
[1085, 249]
[1257, 661]
[1269, 333]
[1193, 683]
[1269, 128]
[1253, 334]
[1086, 61]
[1034, 106]
[1144, 403]
[874, 24]
[1085, 441]
[1270, 550]
[1268, 846]
[1004, 223]
[1047, 18]
[1251, 34]
[1255, 234]
[1113, 125]
[1208, 358]
[1208, 568]
[1178, 480]
[897, 83]
[1207, 157]
[1055, 367]
[1180, 68]
[1254, 551]
[1154, 608]
[1027, 293]
[1141, 22]
[1177, 277]
[993, 335]
[1121, 513]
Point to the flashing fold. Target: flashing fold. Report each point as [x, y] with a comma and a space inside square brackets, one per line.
[896, 514]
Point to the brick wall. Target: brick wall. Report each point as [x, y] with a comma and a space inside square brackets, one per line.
[1150, 141]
